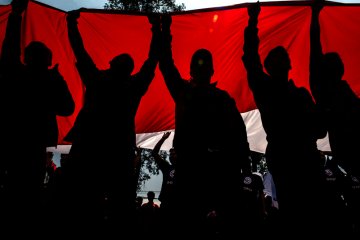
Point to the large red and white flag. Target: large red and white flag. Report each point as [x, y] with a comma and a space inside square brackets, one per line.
[106, 34]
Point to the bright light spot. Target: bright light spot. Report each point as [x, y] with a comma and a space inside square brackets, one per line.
[215, 18]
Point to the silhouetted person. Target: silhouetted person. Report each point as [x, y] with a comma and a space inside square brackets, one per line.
[333, 190]
[149, 214]
[336, 100]
[339, 104]
[103, 137]
[269, 187]
[138, 202]
[35, 95]
[167, 169]
[167, 194]
[292, 125]
[210, 139]
[251, 203]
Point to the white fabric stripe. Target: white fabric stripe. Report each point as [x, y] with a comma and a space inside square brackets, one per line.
[254, 128]
[257, 135]
[255, 132]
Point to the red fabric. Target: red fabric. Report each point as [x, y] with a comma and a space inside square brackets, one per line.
[221, 31]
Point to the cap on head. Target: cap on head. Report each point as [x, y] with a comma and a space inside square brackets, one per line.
[201, 66]
[38, 54]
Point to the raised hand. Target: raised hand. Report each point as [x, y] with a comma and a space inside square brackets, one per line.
[19, 6]
[166, 135]
[254, 9]
[73, 15]
[317, 5]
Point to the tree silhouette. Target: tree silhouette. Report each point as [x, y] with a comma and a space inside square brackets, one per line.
[154, 6]
[148, 166]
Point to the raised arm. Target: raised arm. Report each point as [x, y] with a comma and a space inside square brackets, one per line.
[84, 63]
[316, 53]
[155, 152]
[10, 53]
[251, 57]
[171, 75]
[146, 74]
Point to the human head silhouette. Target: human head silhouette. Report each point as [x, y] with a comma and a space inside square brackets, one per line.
[139, 201]
[172, 156]
[122, 65]
[277, 63]
[38, 55]
[201, 67]
[151, 196]
[333, 67]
